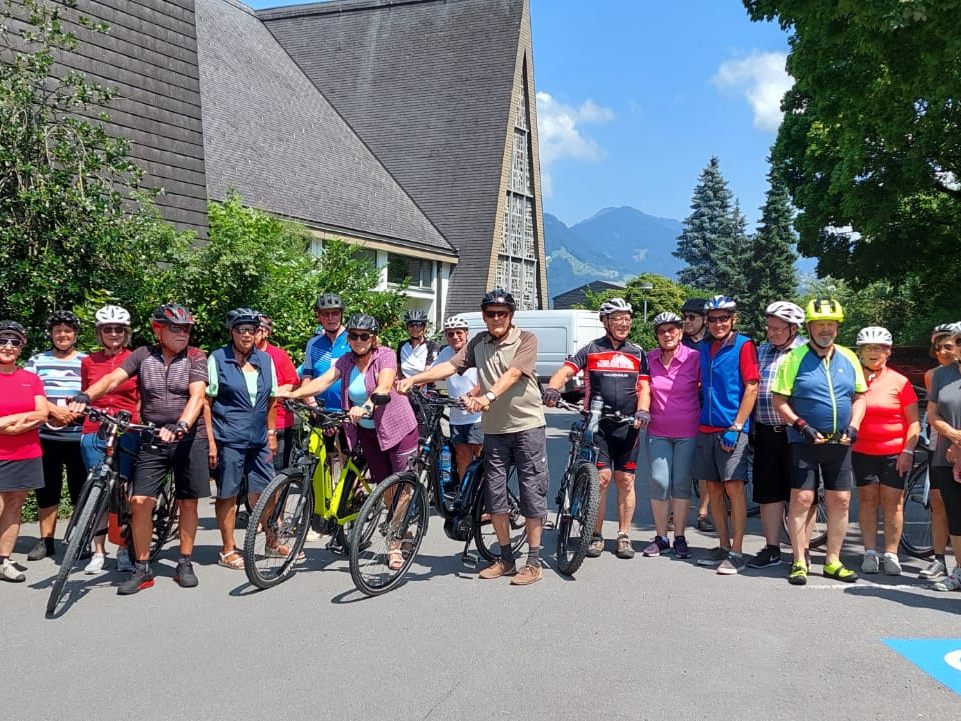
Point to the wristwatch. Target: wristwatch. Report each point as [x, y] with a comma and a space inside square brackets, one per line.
[490, 396]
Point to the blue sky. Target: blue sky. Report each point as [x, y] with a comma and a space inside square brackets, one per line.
[634, 96]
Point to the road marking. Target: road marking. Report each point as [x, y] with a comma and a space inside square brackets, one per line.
[940, 658]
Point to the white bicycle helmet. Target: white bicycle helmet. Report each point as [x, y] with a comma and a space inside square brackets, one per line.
[874, 335]
[455, 322]
[614, 305]
[112, 315]
[786, 311]
[720, 302]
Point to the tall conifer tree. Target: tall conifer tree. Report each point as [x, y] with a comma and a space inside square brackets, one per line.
[705, 228]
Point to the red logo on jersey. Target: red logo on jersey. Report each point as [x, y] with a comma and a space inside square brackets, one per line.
[613, 361]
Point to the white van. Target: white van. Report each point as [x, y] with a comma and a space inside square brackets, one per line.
[560, 333]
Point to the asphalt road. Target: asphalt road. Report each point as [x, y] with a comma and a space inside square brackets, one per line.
[641, 639]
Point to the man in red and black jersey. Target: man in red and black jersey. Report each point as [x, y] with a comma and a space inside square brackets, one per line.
[172, 380]
[616, 369]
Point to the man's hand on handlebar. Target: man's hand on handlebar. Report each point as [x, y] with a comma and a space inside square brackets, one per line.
[552, 397]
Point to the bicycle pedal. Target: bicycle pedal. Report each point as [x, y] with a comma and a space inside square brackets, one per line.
[469, 559]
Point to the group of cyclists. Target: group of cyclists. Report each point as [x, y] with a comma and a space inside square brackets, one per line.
[706, 405]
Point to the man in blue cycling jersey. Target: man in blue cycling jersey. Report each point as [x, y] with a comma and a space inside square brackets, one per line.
[326, 347]
[818, 392]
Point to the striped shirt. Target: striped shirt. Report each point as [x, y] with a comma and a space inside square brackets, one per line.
[769, 359]
[61, 382]
[164, 390]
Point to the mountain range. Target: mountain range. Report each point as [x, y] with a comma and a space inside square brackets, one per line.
[613, 244]
[617, 244]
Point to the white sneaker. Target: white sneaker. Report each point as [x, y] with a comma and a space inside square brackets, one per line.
[892, 566]
[871, 562]
[123, 561]
[933, 570]
[9, 572]
[313, 536]
[96, 564]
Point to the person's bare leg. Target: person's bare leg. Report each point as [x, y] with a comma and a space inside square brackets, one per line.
[735, 491]
[838, 503]
[604, 478]
[626, 501]
[715, 490]
[188, 525]
[226, 510]
[11, 506]
[868, 497]
[892, 504]
[141, 525]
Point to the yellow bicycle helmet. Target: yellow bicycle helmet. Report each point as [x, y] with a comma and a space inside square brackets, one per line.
[824, 309]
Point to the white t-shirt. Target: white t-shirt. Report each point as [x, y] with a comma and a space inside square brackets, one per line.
[413, 360]
[457, 385]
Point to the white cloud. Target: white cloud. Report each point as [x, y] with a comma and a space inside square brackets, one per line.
[560, 135]
[762, 79]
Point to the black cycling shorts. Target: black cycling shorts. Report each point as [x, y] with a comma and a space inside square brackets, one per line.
[869, 470]
[616, 446]
[828, 462]
[187, 459]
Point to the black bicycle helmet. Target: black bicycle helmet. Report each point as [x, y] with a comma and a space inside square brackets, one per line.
[11, 326]
[329, 301]
[242, 316]
[415, 315]
[63, 317]
[362, 321]
[498, 296]
[694, 305]
[172, 313]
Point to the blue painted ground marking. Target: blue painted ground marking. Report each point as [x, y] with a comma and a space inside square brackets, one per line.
[937, 657]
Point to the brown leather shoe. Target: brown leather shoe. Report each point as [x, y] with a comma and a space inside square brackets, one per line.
[498, 568]
[528, 575]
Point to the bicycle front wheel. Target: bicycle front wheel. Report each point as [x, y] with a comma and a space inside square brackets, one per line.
[576, 522]
[277, 529]
[80, 539]
[387, 534]
[916, 537]
[484, 535]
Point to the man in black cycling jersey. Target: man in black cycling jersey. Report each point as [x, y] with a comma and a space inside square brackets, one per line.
[616, 369]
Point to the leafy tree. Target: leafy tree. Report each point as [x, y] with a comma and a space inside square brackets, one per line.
[870, 144]
[69, 220]
[766, 262]
[705, 229]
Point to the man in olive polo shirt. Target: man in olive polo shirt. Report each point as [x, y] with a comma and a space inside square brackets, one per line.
[513, 423]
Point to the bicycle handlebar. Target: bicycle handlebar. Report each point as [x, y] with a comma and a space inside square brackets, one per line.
[615, 416]
[436, 399]
[95, 414]
[323, 417]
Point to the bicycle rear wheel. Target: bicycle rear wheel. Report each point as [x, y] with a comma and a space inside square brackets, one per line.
[387, 534]
[484, 536]
[277, 529]
[916, 537]
[576, 523]
[80, 539]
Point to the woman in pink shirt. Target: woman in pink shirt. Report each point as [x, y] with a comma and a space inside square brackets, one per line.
[671, 435]
[883, 453]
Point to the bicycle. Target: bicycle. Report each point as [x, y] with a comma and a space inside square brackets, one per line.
[579, 494]
[280, 520]
[916, 539]
[104, 488]
[395, 516]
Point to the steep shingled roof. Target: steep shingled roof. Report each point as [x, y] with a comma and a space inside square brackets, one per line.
[269, 133]
[435, 115]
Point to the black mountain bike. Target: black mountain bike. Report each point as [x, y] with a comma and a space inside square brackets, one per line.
[104, 488]
[579, 494]
[393, 521]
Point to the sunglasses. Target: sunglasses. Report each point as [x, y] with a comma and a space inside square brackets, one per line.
[245, 330]
[12, 342]
[113, 329]
[416, 323]
[363, 337]
[496, 313]
[179, 329]
[718, 318]
[692, 316]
